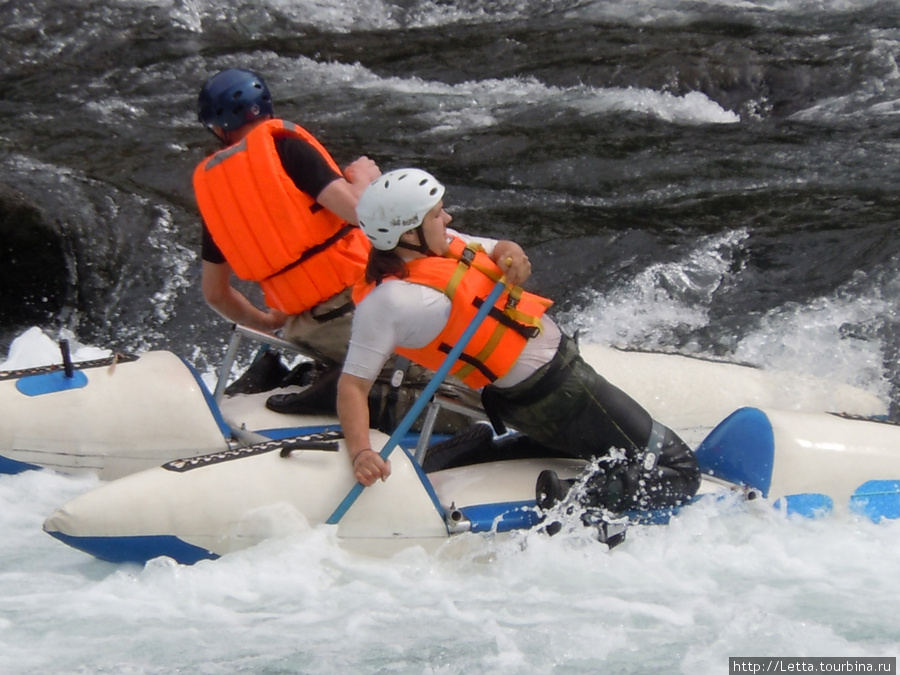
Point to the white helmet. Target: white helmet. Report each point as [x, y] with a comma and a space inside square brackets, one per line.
[396, 202]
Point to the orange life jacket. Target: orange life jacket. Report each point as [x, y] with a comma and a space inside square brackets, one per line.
[270, 231]
[467, 276]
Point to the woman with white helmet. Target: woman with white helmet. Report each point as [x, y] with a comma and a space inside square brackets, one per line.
[424, 284]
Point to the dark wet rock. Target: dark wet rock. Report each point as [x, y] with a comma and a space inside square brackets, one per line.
[33, 275]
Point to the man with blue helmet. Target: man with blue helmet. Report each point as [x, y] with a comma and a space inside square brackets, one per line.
[279, 211]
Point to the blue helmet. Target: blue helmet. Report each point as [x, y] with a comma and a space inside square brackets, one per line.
[232, 98]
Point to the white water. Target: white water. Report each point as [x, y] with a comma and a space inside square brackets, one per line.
[722, 579]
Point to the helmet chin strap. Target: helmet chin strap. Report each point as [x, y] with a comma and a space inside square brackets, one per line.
[421, 247]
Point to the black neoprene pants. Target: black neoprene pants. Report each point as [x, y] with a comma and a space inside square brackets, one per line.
[568, 406]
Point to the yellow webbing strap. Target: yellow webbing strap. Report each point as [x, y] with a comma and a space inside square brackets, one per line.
[466, 261]
[486, 351]
[514, 292]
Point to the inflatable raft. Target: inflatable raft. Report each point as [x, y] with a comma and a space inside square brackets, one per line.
[204, 507]
[122, 414]
[195, 475]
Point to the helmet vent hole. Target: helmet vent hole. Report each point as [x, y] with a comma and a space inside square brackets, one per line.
[432, 192]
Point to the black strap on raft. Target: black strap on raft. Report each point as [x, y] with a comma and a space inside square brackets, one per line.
[67, 358]
[55, 367]
[307, 444]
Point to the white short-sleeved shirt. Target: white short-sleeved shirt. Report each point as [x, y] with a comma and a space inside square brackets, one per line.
[400, 313]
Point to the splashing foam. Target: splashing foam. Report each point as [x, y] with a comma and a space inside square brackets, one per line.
[822, 338]
[479, 104]
[644, 311]
[834, 337]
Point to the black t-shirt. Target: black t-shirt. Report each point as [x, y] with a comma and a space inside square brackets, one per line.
[306, 167]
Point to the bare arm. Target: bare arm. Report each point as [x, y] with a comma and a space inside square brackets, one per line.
[353, 412]
[340, 196]
[231, 303]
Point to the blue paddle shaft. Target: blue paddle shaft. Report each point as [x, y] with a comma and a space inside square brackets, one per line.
[413, 413]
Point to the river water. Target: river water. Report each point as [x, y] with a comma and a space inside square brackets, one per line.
[711, 178]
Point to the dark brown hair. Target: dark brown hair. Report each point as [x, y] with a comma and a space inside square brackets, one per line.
[384, 264]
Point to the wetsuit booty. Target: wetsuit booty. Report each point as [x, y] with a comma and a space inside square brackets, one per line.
[549, 490]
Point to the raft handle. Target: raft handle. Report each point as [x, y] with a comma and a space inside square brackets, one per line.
[67, 358]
